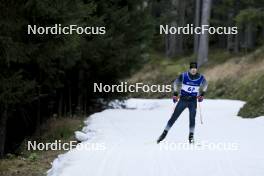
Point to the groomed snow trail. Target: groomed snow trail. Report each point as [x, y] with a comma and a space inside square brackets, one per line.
[128, 137]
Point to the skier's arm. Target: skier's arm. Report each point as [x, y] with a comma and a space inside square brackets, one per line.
[176, 84]
[203, 87]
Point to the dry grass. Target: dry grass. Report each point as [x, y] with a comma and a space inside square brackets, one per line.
[24, 165]
[20, 166]
[235, 68]
[60, 128]
[144, 74]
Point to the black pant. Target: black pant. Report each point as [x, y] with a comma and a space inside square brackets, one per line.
[191, 104]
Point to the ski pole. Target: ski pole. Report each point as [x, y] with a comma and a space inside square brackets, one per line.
[174, 106]
[200, 109]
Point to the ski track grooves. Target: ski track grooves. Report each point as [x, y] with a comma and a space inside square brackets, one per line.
[131, 150]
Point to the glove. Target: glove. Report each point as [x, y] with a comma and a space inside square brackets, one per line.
[200, 98]
[175, 99]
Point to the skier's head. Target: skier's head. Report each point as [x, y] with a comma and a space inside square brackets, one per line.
[193, 68]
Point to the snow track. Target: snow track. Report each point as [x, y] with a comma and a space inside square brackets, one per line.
[128, 136]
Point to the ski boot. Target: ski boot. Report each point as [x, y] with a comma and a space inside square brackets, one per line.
[162, 136]
[191, 140]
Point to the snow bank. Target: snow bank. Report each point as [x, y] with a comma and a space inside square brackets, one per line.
[127, 137]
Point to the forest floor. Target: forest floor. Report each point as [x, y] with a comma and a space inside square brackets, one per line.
[27, 163]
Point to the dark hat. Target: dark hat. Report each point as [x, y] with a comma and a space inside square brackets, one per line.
[193, 65]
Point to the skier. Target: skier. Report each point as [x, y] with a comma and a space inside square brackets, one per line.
[192, 87]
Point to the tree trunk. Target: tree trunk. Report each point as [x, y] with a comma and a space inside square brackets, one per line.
[70, 101]
[249, 36]
[38, 113]
[229, 42]
[166, 41]
[60, 104]
[181, 22]
[65, 109]
[172, 42]
[237, 37]
[237, 43]
[3, 123]
[230, 37]
[197, 23]
[84, 102]
[80, 92]
[204, 38]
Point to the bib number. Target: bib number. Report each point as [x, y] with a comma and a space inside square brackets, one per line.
[191, 89]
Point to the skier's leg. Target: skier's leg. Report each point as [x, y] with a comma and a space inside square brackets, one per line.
[177, 112]
[192, 106]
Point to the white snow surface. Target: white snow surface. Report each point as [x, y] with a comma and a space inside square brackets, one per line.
[127, 147]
